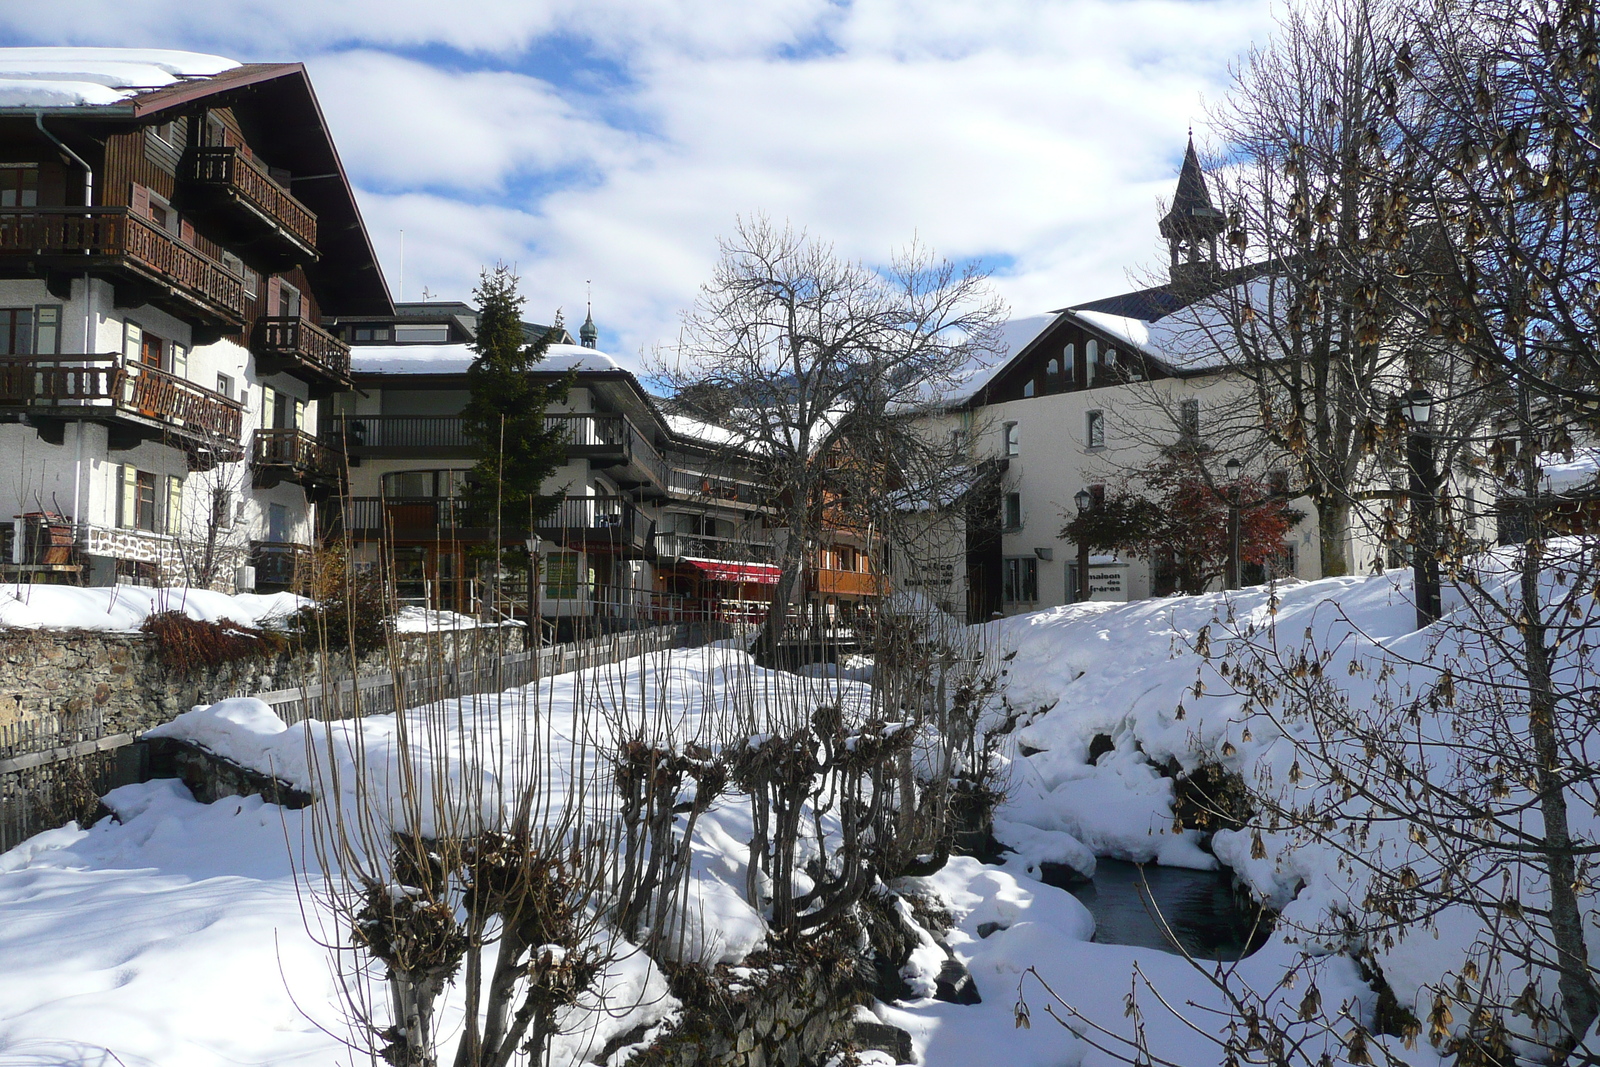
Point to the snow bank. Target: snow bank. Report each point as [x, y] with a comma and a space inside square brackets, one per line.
[124, 608]
[416, 620]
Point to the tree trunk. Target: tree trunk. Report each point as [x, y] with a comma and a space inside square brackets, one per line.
[1333, 530]
[765, 647]
[1578, 994]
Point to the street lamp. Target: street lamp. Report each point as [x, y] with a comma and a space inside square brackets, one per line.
[1083, 498]
[1231, 578]
[1417, 407]
[534, 622]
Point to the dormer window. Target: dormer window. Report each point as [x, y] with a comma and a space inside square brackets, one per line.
[1053, 368]
[422, 333]
[1027, 388]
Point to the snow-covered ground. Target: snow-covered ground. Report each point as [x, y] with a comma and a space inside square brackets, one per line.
[177, 937]
[124, 608]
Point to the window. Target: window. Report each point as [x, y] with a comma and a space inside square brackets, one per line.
[147, 501]
[1189, 420]
[561, 575]
[167, 131]
[369, 333]
[277, 523]
[16, 331]
[1011, 518]
[1027, 388]
[225, 385]
[19, 185]
[1022, 580]
[162, 215]
[1069, 361]
[1095, 429]
[1278, 482]
[1053, 368]
[429, 333]
[1013, 440]
[26, 331]
[412, 485]
[1091, 351]
[288, 301]
[252, 280]
[47, 329]
[845, 558]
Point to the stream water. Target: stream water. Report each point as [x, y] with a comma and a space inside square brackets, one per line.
[1210, 920]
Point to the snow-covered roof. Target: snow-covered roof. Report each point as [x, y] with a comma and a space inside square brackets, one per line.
[1562, 475]
[87, 77]
[684, 426]
[1015, 335]
[456, 358]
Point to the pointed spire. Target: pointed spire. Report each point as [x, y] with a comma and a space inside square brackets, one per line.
[588, 334]
[1192, 215]
[1193, 221]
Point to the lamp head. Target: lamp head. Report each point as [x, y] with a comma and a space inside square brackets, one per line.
[1082, 498]
[1417, 406]
[1233, 467]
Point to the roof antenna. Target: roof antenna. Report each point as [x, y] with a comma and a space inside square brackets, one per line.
[402, 266]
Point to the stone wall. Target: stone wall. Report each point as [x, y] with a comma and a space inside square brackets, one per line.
[64, 673]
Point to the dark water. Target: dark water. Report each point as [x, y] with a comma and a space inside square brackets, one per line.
[1210, 920]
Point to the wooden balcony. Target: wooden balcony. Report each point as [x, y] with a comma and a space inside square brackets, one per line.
[281, 455]
[148, 265]
[608, 523]
[300, 347]
[137, 403]
[402, 436]
[263, 219]
[829, 582]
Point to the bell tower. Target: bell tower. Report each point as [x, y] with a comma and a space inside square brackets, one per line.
[1191, 223]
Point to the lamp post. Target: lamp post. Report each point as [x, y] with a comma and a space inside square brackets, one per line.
[1417, 407]
[1231, 577]
[1083, 498]
[533, 592]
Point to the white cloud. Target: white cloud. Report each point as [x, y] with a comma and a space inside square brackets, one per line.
[1039, 131]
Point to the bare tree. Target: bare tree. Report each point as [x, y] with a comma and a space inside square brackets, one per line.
[1296, 306]
[815, 363]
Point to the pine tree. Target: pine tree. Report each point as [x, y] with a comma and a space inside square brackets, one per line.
[504, 416]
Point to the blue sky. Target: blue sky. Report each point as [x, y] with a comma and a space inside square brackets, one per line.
[612, 141]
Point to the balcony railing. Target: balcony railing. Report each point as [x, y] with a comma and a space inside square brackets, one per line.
[295, 344]
[586, 519]
[99, 387]
[698, 485]
[296, 456]
[700, 546]
[114, 233]
[377, 434]
[607, 439]
[223, 167]
[613, 437]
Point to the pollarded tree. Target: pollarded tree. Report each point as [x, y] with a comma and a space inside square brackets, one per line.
[817, 365]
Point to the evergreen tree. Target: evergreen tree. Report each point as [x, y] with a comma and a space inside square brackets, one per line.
[504, 416]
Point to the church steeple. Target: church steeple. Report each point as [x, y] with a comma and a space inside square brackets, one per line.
[588, 334]
[1191, 222]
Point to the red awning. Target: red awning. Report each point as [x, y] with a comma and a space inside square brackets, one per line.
[720, 571]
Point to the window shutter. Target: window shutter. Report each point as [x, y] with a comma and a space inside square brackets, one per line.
[186, 231]
[180, 360]
[299, 414]
[127, 496]
[274, 287]
[269, 407]
[139, 200]
[174, 516]
[132, 343]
